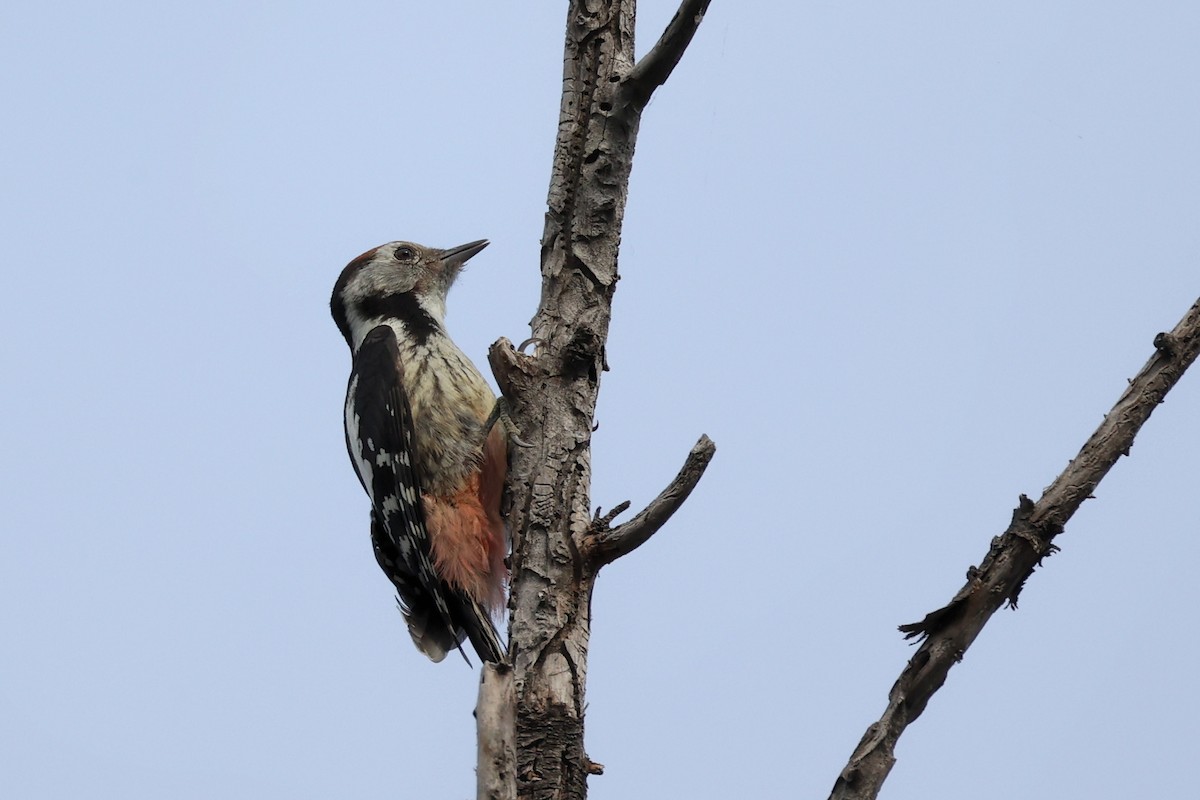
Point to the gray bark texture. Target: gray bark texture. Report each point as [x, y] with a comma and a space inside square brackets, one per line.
[1011, 559]
[534, 748]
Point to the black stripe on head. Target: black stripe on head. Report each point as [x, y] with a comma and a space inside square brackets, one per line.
[404, 307]
[336, 306]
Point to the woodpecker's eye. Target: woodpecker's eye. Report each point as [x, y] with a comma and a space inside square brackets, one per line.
[405, 253]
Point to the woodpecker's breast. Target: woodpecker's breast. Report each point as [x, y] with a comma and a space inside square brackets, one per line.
[450, 401]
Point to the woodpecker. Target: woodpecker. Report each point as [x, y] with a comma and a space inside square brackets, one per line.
[421, 433]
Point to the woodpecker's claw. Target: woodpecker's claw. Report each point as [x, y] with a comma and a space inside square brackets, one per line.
[500, 414]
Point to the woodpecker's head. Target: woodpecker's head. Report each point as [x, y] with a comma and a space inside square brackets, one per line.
[398, 281]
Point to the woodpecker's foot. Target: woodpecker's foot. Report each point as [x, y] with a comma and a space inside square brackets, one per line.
[500, 414]
[533, 340]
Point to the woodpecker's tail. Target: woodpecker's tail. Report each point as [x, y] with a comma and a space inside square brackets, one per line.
[435, 638]
[479, 628]
[427, 629]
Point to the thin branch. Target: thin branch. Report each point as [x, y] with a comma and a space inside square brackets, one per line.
[606, 545]
[1011, 559]
[656, 66]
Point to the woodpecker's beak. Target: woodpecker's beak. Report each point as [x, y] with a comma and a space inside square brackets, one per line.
[457, 256]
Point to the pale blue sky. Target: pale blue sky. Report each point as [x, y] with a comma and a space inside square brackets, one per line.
[896, 259]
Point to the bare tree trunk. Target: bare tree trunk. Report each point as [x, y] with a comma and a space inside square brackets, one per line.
[558, 546]
[1011, 559]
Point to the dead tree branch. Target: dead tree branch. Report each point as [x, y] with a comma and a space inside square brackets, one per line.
[553, 399]
[608, 544]
[1012, 558]
[656, 66]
